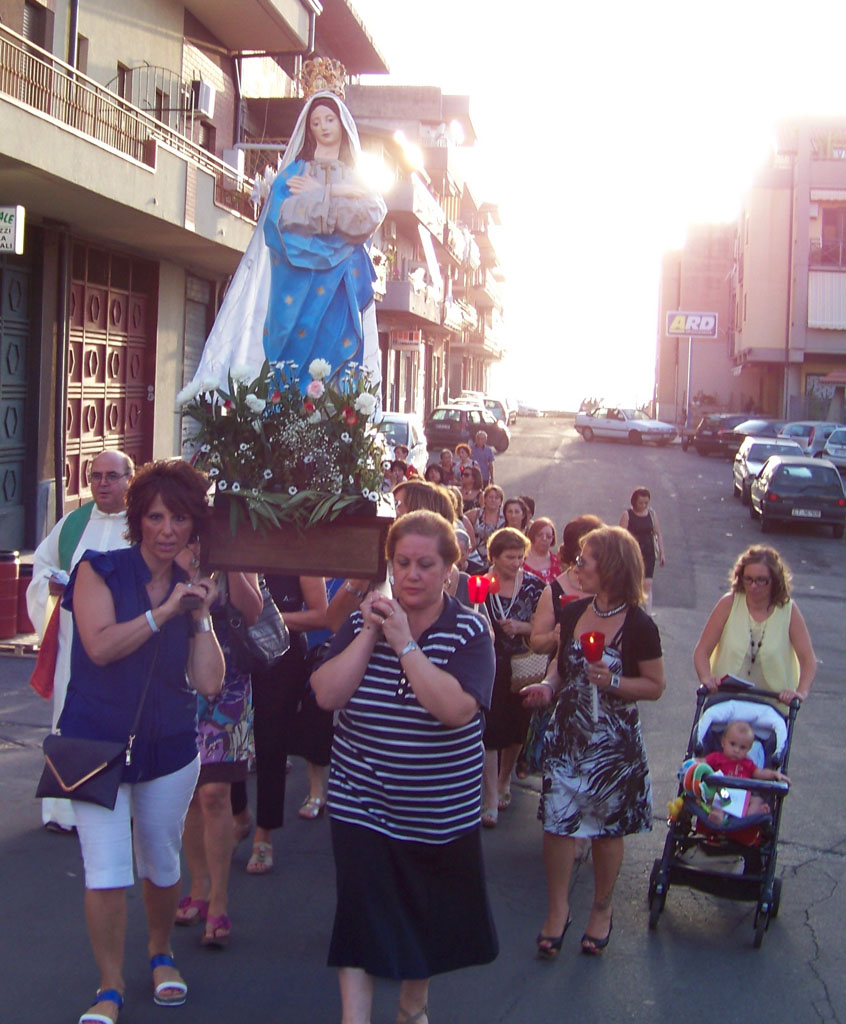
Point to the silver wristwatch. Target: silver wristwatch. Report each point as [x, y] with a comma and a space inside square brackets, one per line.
[412, 645]
[615, 682]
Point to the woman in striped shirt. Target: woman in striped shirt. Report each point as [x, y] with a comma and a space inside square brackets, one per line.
[410, 675]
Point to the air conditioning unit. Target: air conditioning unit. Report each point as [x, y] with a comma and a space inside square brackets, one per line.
[203, 95]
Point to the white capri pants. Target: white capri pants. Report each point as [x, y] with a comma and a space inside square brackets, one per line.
[149, 816]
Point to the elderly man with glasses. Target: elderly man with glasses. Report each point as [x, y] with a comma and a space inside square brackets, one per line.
[97, 525]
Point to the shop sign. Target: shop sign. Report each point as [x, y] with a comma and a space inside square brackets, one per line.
[12, 229]
[406, 341]
[691, 325]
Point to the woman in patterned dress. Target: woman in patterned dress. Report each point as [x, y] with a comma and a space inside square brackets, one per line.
[595, 777]
[224, 734]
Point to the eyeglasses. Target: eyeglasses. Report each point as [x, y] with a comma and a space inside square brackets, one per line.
[111, 476]
[580, 562]
[757, 581]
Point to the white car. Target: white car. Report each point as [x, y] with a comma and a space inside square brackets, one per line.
[630, 425]
[835, 449]
[405, 428]
[751, 456]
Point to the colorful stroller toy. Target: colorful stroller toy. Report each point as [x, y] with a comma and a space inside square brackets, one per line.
[707, 856]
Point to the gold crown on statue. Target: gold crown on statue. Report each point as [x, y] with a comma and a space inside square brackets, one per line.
[322, 74]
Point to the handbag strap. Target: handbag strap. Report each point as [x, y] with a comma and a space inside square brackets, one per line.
[133, 728]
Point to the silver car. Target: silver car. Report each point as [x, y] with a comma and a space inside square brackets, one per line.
[835, 449]
[810, 434]
[750, 459]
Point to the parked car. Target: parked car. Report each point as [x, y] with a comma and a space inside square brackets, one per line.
[449, 425]
[811, 434]
[750, 459]
[753, 428]
[835, 448]
[713, 434]
[405, 428]
[624, 424]
[527, 409]
[798, 488]
[500, 408]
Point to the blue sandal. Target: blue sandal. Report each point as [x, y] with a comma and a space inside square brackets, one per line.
[106, 995]
[181, 989]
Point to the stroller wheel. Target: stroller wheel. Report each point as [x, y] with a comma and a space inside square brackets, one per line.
[762, 921]
[656, 899]
[776, 898]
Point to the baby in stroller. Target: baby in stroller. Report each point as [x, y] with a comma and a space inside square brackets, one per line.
[733, 760]
[737, 738]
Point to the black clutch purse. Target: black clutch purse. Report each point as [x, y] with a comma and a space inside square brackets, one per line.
[77, 769]
[89, 770]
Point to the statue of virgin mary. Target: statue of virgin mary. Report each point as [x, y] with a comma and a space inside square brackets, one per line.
[304, 287]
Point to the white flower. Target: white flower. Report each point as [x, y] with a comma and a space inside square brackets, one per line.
[308, 458]
[242, 374]
[209, 385]
[345, 437]
[255, 492]
[221, 486]
[314, 418]
[268, 474]
[214, 471]
[292, 490]
[315, 389]
[351, 479]
[205, 448]
[236, 487]
[214, 457]
[254, 403]
[365, 404]
[188, 394]
[372, 495]
[319, 368]
[243, 447]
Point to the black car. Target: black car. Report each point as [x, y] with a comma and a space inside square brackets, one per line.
[449, 425]
[757, 427]
[713, 435]
[798, 489]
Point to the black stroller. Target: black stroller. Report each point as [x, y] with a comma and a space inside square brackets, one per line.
[697, 851]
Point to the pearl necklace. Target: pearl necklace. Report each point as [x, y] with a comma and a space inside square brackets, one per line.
[611, 611]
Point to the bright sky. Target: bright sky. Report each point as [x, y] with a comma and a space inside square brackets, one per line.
[604, 130]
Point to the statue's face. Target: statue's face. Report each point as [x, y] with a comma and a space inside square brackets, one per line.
[325, 126]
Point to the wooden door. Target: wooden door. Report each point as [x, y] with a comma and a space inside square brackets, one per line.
[111, 361]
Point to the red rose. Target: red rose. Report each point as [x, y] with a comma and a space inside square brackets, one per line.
[276, 397]
[308, 406]
[350, 416]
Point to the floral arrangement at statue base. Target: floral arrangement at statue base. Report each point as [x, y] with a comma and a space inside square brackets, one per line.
[286, 463]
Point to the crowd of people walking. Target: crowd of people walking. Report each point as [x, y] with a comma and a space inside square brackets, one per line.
[403, 698]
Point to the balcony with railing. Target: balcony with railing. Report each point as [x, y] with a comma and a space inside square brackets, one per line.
[413, 300]
[35, 80]
[828, 255]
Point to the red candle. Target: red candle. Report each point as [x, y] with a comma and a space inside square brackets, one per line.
[493, 585]
[477, 588]
[593, 645]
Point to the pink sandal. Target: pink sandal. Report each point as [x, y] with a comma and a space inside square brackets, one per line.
[221, 929]
[189, 911]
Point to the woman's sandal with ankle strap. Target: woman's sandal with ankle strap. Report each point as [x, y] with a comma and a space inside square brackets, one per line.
[179, 986]
[106, 995]
[549, 946]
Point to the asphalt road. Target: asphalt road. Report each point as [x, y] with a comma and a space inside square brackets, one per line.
[698, 964]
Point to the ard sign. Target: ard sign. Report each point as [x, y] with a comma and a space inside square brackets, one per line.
[12, 229]
[691, 325]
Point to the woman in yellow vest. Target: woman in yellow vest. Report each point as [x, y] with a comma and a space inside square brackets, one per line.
[757, 632]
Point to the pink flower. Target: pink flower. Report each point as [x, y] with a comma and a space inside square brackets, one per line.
[276, 397]
[315, 389]
[227, 404]
[350, 415]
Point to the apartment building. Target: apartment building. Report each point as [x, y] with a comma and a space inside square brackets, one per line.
[120, 120]
[784, 351]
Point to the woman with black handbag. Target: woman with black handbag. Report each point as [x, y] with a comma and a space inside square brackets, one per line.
[136, 645]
